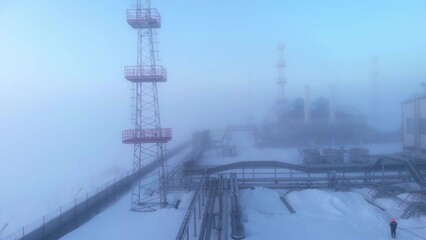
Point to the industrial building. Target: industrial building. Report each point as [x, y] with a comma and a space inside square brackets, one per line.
[414, 125]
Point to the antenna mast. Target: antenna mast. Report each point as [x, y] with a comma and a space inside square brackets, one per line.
[148, 138]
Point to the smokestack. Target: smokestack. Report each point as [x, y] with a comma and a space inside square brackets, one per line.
[307, 105]
[332, 107]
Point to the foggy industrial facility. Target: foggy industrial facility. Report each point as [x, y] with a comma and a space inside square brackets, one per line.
[151, 119]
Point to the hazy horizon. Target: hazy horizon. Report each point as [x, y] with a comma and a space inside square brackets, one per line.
[63, 93]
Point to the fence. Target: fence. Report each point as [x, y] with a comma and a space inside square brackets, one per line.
[72, 215]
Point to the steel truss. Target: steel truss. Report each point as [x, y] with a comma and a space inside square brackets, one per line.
[148, 138]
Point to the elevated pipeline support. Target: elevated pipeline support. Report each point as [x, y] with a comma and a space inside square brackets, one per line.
[209, 216]
[222, 225]
[236, 214]
[408, 165]
[394, 163]
[287, 204]
[192, 212]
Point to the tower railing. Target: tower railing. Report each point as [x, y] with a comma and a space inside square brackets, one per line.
[155, 73]
[144, 18]
[147, 136]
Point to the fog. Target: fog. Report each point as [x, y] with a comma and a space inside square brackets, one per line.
[64, 100]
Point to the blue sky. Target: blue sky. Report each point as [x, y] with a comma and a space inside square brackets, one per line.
[62, 62]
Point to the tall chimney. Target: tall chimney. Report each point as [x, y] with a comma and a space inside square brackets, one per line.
[307, 105]
[424, 89]
[332, 107]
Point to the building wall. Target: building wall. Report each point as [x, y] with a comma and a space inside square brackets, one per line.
[414, 123]
[407, 121]
[422, 123]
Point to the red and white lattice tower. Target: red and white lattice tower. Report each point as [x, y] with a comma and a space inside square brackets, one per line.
[148, 138]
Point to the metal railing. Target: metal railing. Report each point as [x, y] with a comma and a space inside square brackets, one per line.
[69, 216]
[147, 135]
[237, 226]
[145, 72]
[65, 214]
[147, 15]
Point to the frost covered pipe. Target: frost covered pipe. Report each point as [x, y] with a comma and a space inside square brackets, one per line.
[332, 107]
[237, 227]
[307, 105]
[184, 228]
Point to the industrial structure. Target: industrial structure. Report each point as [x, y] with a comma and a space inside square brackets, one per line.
[304, 121]
[281, 80]
[148, 137]
[281, 100]
[414, 125]
[375, 118]
[215, 204]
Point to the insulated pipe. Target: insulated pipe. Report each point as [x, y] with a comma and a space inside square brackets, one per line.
[307, 105]
[237, 227]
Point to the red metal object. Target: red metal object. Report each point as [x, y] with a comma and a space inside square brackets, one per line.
[144, 18]
[145, 73]
[147, 136]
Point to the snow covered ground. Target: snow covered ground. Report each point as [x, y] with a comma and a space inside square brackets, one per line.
[320, 214]
[29, 190]
[45, 190]
[118, 222]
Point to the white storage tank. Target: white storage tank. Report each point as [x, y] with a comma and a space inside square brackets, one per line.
[358, 155]
[332, 155]
[311, 156]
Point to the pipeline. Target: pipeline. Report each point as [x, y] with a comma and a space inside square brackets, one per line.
[403, 163]
[208, 215]
[222, 225]
[236, 214]
[184, 228]
[408, 165]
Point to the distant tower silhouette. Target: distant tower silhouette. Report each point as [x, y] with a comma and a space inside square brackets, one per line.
[281, 104]
[375, 93]
[307, 105]
[148, 138]
[281, 80]
[332, 104]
